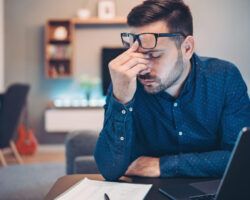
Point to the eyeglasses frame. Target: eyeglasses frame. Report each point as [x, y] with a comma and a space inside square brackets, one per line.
[157, 35]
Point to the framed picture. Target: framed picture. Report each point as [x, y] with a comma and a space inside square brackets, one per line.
[106, 9]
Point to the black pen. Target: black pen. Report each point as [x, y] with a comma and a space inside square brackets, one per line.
[106, 197]
[166, 194]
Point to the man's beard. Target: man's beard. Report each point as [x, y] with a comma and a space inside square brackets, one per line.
[166, 82]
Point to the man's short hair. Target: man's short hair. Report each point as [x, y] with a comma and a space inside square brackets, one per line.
[175, 13]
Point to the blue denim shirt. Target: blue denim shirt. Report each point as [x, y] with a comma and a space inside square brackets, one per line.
[193, 135]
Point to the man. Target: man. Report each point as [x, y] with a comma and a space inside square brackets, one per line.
[169, 112]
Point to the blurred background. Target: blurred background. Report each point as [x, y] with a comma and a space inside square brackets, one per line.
[57, 52]
[221, 29]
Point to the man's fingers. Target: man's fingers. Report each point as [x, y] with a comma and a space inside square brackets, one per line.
[133, 62]
[131, 52]
[128, 52]
[136, 70]
[134, 47]
[125, 57]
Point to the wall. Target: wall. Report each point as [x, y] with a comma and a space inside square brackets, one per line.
[1, 47]
[24, 30]
[221, 30]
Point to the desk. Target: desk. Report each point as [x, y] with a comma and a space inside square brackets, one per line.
[65, 182]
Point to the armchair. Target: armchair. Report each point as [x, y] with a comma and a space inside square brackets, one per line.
[12, 103]
[79, 152]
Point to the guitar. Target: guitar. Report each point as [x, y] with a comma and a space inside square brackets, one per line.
[26, 142]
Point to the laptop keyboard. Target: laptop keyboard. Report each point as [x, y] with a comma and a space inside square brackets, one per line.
[203, 197]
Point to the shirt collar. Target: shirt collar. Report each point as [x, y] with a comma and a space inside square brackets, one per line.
[190, 80]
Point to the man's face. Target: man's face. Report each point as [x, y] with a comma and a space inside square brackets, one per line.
[166, 62]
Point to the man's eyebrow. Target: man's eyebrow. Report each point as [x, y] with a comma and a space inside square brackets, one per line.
[152, 51]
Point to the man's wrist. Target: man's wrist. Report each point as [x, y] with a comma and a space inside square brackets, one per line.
[120, 112]
[122, 101]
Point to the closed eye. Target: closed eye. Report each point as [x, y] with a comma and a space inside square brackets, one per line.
[154, 55]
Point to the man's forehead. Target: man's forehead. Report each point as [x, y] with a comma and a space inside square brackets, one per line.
[155, 27]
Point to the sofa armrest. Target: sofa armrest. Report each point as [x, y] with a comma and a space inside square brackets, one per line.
[85, 165]
[79, 144]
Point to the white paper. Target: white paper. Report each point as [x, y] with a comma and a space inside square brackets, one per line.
[94, 190]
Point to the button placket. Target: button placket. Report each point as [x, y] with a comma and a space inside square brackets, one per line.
[124, 112]
[175, 110]
[122, 138]
[178, 123]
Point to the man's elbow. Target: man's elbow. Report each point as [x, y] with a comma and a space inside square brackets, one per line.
[109, 176]
[109, 171]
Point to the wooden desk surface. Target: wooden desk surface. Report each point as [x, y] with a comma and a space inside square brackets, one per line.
[65, 182]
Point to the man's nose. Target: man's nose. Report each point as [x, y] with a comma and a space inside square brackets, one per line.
[150, 64]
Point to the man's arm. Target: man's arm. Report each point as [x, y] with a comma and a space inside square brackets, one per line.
[207, 164]
[113, 148]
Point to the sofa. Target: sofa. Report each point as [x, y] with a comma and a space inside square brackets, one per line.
[79, 152]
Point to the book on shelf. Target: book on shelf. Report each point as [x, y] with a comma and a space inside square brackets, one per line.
[59, 51]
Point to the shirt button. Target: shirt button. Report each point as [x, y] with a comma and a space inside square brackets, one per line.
[175, 104]
[122, 138]
[130, 109]
[123, 112]
[180, 133]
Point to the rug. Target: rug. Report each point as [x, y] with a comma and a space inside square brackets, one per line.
[29, 182]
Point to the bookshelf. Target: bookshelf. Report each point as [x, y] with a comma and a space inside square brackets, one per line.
[59, 43]
[59, 40]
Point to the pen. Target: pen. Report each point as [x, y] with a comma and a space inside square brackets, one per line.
[106, 197]
[166, 194]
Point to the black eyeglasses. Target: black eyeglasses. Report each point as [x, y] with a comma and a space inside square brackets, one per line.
[145, 40]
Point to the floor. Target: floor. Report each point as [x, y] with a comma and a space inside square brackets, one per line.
[33, 179]
[44, 154]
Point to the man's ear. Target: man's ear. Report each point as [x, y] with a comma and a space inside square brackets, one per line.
[187, 47]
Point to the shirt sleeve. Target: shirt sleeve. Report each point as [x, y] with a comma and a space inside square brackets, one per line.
[113, 148]
[235, 116]
[236, 113]
[207, 164]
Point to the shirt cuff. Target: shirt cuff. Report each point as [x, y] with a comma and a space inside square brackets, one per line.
[169, 166]
[120, 112]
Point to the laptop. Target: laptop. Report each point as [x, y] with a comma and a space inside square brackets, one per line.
[235, 183]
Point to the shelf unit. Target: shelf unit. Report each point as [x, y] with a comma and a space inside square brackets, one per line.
[59, 43]
[97, 21]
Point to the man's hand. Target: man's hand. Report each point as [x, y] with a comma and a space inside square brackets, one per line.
[124, 69]
[144, 166]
